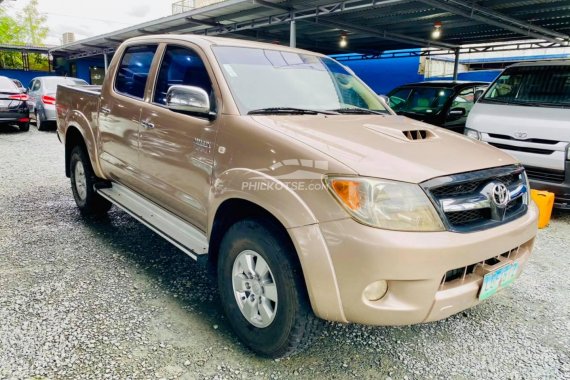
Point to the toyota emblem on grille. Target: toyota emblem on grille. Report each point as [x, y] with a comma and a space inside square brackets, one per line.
[521, 135]
[500, 195]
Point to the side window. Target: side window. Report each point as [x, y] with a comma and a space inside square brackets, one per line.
[36, 85]
[181, 66]
[133, 70]
[464, 99]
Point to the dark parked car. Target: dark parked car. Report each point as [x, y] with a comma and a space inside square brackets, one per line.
[13, 105]
[442, 103]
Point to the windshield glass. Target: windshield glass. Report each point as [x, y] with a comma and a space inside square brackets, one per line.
[419, 100]
[546, 85]
[261, 79]
[50, 84]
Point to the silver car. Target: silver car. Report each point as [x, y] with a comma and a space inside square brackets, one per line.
[42, 98]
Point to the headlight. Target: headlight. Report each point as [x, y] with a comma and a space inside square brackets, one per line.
[475, 135]
[386, 204]
[526, 197]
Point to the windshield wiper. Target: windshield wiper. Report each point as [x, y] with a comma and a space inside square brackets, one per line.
[288, 110]
[358, 110]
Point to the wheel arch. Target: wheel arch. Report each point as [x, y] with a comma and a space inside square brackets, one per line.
[312, 254]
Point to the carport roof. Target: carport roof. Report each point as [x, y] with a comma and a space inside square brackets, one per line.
[371, 26]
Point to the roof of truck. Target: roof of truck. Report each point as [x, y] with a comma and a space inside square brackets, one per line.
[557, 62]
[222, 41]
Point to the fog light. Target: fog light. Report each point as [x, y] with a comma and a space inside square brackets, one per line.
[376, 290]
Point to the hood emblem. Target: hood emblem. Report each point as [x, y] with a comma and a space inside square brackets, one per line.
[521, 135]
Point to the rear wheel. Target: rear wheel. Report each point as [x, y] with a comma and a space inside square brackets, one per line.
[262, 289]
[83, 184]
[40, 124]
[24, 127]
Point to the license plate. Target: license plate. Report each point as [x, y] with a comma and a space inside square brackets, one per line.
[498, 279]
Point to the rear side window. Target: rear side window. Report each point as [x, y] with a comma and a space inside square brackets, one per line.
[133, 70]
[535, 86]
[7, 84]
[181, 66]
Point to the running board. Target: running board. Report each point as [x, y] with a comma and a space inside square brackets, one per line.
[182, 234]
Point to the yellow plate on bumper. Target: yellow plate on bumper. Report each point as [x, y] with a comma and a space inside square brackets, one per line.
[498, 279]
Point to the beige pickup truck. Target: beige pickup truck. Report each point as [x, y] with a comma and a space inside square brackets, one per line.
[285, 172]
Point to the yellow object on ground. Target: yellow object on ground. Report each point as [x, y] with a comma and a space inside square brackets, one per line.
[545, 201]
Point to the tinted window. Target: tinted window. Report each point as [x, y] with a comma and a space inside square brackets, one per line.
[547, 85]
[7, 84]
[133, 70]
[398, 98]
[181, 66]
[422, 100]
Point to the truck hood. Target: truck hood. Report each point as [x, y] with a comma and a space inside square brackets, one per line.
[387, 146]
[534, 122]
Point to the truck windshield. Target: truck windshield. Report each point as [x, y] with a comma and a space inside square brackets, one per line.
[280, 81]
[419, 100]
[547, 86]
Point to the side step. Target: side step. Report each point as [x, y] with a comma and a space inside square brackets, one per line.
[174, 229]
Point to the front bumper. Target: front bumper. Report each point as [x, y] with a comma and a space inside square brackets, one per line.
[414, 266]
[561, 190]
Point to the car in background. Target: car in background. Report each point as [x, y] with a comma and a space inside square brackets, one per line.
[19, 84]
[443, 103]
[42, 97]
[526, 113]
[13, 105]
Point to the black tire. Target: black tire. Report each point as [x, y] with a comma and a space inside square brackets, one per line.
[88, 202]
[24, 127]
[40, 124]
[294, 324]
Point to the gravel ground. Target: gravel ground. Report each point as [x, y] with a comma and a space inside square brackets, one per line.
[89, 299]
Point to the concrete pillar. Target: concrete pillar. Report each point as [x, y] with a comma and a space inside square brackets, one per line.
[293, 34]
[456, 65]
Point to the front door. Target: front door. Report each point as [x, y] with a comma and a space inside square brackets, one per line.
[119, 114]
[176, 153]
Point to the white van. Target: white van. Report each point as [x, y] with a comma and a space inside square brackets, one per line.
[526, 112]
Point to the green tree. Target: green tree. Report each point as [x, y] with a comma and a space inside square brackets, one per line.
[33, 24]
[27, 28]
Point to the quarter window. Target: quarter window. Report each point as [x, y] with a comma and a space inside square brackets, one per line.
[133, 70]
[181, 66]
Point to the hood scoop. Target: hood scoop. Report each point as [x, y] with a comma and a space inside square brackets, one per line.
[403, 135]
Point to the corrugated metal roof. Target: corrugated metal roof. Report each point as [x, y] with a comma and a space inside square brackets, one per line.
[371, 26]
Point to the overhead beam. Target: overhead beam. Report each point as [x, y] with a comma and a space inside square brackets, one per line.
[336, 8]
[490, 17]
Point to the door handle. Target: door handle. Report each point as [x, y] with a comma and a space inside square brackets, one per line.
[105, 110]
[147, 124]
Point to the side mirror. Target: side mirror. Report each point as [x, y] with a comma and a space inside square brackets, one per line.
[477, 95]
[385, 99]
[189, 99]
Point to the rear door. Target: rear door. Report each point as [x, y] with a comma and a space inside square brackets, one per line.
[122, 98]
[177, 149]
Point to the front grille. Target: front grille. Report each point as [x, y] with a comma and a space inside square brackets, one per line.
[465, 201]
[547, 175]
[521, 148]
[463, 218]
[537, 141]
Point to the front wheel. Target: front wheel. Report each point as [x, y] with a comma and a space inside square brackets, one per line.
[262, 289]
[83, 184]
